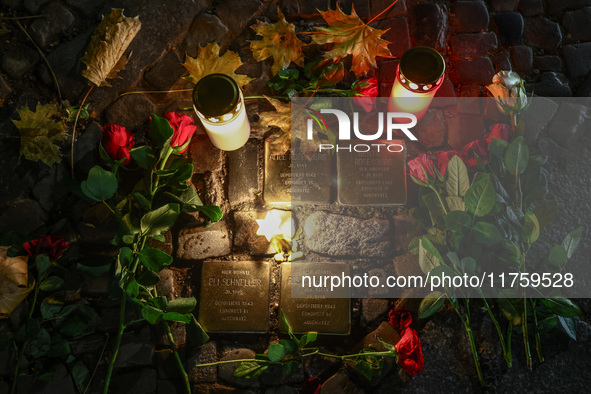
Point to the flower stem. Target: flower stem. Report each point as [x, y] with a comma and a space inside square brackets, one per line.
[473, 344]
[177, 357]
[528, 362]
[117, 343]
[509, 334]
[536, 332]
[506, 354]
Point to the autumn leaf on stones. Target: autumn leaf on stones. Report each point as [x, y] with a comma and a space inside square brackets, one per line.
[104, 55]
[209, 61]
[14, 282]
[42, 132]
[350, 36]
[279, 42]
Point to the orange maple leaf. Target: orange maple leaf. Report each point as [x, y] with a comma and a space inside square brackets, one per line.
[351, 36]
[279, 41]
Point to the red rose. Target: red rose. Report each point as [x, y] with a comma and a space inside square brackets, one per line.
[400, 318]
[499, 131]
[443, 158]
[410, 353]
[183, 127]
[419, 165]
[117, 142]
[366, 88]
[311, 386]
[476, 148]
[50, 245]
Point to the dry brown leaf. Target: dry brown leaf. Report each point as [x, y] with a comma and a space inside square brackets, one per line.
[209, 61]
[41, 133]
[14, 282]
[280, 42]
[104, 54]
[351, 36]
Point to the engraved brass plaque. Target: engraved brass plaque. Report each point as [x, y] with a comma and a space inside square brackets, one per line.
[234, 296]
[294, 177]
[373, 177]
[317, 312]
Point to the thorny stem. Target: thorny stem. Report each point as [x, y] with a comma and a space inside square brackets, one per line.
[528, 362]
[74, 130]
[500, 334]
[317, 353]
[122, 324]
[177, 357]
[473, 343]
[536, 332]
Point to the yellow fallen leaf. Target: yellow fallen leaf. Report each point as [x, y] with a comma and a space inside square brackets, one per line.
[209, 61]
[104, 54]
[14, 282]
[279, 42]
[41, 133]
[351, 36]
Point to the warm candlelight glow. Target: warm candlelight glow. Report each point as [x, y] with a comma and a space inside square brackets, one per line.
[418, 77]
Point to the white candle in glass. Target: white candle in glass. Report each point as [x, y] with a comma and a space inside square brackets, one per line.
[419, 75]
[219, 105]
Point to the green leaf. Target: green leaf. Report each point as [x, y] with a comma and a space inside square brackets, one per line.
[468, 265]
[433, 203]
[42, 264]
[154, 259]
[290, 346]
[213, 212]
[517, 156]
[457, 221]
[143, 201]
[455, 203]
[49, 311]
[100, 184]
[148, 278]
[249, 369]
[456, 177]
[308, 338]
[151, 314]
[487, 234]
[41, 344]
[160, 131]
[144, 156]
[159, 220]
[182, 305]
[531, 229]
[562, 306]
[571, 241]
[429, 256]
[159, 302]
[481, 196]
[81, 375]
[132, 289]
[545, 212]
[431, 304]
[125, 256]
[59, 348]
[498, 147]
[557, 256]
[179, 317]
[509, 309]
[276, 352]
[196, 335]
[52, 283]
[569, 325]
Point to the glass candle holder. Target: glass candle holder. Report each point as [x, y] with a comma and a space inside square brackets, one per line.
[419, 75]
[219, 104]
